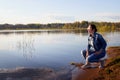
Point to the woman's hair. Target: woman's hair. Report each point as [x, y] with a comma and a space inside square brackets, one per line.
[93, 27]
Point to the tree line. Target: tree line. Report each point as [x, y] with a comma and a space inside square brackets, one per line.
[31, 26]
[75, 25]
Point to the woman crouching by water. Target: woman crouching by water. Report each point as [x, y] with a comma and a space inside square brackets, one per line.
[96, 47]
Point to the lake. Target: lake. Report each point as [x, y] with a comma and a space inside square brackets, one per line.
[45, 48]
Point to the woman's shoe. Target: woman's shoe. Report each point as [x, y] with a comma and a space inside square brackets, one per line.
[102, 62]
[86, 66]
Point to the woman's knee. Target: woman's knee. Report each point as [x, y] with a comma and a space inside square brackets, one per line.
[83, 52]
[92, 58]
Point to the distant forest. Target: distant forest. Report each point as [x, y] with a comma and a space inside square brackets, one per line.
[75, 25]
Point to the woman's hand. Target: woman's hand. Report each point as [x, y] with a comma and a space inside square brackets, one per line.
[87, 53]
[98, 52]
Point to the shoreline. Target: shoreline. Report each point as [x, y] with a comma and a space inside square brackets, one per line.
[78, 74]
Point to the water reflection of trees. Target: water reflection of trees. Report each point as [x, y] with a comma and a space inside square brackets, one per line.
[57, 31]
[26, 46]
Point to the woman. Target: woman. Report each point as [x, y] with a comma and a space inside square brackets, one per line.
[96, 47]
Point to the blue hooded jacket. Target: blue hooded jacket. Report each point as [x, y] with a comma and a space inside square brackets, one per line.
[98, 42]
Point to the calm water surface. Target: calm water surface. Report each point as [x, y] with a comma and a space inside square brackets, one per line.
[45, 48]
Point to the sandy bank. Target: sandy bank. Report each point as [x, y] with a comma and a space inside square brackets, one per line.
[111, 70]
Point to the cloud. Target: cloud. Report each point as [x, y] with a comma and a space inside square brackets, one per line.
[113, 17]
[109, 16]
[56, 18]
[63, 18]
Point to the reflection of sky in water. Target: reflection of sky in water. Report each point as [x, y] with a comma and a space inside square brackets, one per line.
[45, 49]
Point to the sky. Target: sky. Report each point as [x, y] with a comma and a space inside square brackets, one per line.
[58, 11]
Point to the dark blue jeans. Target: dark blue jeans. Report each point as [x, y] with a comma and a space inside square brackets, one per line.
[92, 56]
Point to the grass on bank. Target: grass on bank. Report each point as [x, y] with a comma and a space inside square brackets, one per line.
[112, 69]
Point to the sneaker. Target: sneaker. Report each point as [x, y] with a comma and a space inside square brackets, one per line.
[101, 67]
[86, 66]
[102, 62]
[94, 65]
